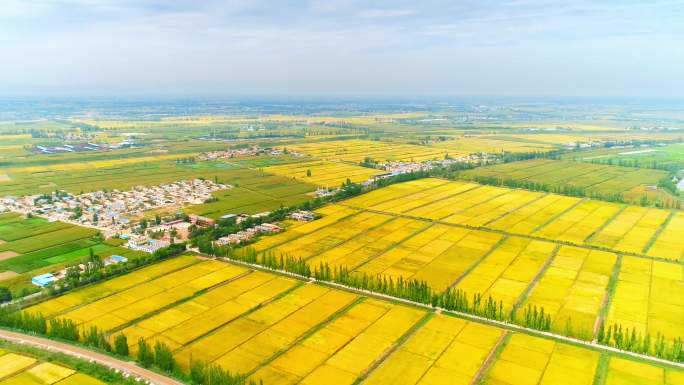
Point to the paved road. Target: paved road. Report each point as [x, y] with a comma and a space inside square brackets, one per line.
[126, 367]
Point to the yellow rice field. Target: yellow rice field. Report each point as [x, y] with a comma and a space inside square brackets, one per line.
[573, 288]
[356, 151]
[508, 270]
[324, 173]
[445, 350]
[21, 369]
[527, 360]
[670, 242]
[285, 331]
[579, 223]
[631, 230]
[622, 372]
[621, 228]
[649, 297]
[489, 144]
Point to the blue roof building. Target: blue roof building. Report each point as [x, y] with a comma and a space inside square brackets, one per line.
[43, 279]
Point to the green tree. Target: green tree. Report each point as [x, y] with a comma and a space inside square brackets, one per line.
[5, 295]
[163, 357]
[145, 354]
[121, 345]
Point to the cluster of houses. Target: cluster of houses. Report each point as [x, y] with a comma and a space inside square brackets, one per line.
[227, 154]
[248, 234]
[242, 152]
[264, 228]
[110, 211]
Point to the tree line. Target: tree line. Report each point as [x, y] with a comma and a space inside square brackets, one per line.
[631, 340]
[157, 356]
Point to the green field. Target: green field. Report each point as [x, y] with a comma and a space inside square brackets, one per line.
[264, 192]
[670, 157]
[574, 178]
[34, 245]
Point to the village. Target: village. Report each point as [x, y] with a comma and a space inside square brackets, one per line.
[111, 212]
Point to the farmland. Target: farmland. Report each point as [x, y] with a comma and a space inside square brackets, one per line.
[19, 368]
[323, 173]
[122, 176]
[667, 157]
[34, 245]
[355, 151]
[490, 144]
[284, 331]
[585, 178]
[521, 248]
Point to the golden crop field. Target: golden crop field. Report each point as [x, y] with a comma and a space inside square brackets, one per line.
[554, 217]
[23, 369]
[445, 350]
[324, 173]
[356, 151]
[649, 297]
[622, 371]
[670, 242]
[527, 360]
[489, 144]
[508, 270]
[476, 238]
[631, 230]
[573, 288]
[284, 331]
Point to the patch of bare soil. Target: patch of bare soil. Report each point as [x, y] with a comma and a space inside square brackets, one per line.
[7, 275]
[7, 255]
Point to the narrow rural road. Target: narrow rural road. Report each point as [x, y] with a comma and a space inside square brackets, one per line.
[126, 367]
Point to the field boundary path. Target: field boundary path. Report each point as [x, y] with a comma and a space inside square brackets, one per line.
[128, 368]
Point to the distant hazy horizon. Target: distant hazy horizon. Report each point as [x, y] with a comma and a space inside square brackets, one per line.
[342, 48]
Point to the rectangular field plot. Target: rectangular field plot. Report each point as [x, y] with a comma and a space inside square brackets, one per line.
[670, 242]
[438, 255]
[324, 173]
[181, 324]
[14, 227]
[244, 343]
[395, 191]
[424, 197]
[445, 350]
[527, 360]
[60, 235]
[93, 293]
[579, 223]
[508, 270]
[528, 218]
[493, 209]
[622, 372]
[573, 288]
[592, 178]
[331, 214]
[449, 206]
[357, 150]
[22, 369]
[113, 309]
[649, 297]
[312, 244]
[631, 230]
[367, 245]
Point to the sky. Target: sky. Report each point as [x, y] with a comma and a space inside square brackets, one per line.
[342, 48]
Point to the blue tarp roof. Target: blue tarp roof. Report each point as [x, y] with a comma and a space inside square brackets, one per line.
[43, 279]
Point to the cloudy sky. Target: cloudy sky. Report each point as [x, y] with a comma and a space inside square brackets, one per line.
[342, 47]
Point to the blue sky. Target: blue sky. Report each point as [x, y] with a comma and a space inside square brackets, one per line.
[342, 47]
